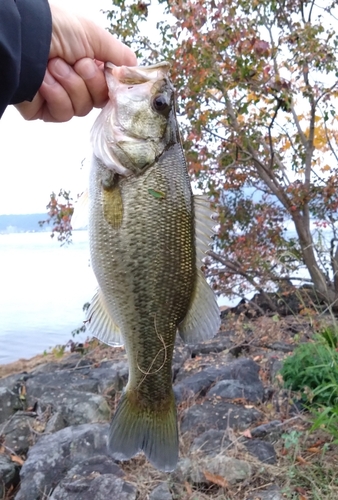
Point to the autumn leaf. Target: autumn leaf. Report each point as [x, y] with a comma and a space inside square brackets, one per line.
[247, 434]
[17, 459]
[302, 460]
[313, 449]
[216, 479]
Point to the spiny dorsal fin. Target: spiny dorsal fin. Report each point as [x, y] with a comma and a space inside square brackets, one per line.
[100, 322]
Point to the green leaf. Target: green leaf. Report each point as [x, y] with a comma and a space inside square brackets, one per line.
[156, 194]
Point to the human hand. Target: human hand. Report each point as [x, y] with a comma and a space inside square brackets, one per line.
[74, 82]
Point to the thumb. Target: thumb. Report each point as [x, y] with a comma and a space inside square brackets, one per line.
[105, 47]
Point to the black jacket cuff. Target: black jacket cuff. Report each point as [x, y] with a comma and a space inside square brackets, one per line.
[36, 30]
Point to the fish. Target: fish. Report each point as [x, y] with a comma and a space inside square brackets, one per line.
[148, 236]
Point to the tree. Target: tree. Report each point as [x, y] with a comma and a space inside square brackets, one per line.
[257, 87]
[60, 211]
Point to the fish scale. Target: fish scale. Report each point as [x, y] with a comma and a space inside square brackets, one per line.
[158, 230]
[148, 234]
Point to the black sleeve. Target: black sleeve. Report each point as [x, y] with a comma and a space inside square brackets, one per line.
[25, 35]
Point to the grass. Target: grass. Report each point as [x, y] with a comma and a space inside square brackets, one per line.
[313, 371]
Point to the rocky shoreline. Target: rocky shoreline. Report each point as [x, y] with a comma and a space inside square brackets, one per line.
[232, 410]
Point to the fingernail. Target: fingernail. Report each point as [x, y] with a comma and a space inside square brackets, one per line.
[49, 79]
[131, 57]
[87, 69]
[61, 68]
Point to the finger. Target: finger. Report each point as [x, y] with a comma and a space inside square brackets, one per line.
[31, 110]
[74, 85]
[58, 105]
[92, 73]
[107, 48]
[50, 104]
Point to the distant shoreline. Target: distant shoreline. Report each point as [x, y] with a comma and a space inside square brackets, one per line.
[23, 223]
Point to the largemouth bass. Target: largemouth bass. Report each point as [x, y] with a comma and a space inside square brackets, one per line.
[148, 235]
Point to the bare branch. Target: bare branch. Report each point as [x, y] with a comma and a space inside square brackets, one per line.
[299, 129]
[328, 138]
[236, 267]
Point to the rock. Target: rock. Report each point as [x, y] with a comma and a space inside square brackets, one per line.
[67, 458]
[161, 492]
[180, 355]
[196, 384]
[19, 433]
[69, 361]
[13, 382]
[76, 407]
[9, 474]
[112, 375]
[215, 414]
[55, 423]
[262, 450]
[264, 429]
[38, 383]
[273, 493]
[9, 403]
[50, 459]
[244, 370]
[96, 478]
[211, 443]
[274, 366]
[231, 469]
[76, 394]
[281, 346]
[233, 389]
[218, 343]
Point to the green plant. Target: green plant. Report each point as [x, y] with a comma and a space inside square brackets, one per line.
[326, 418]
[313, 369]
[330, 335]
[291, 439]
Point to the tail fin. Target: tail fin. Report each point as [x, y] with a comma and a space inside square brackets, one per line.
[155, 432]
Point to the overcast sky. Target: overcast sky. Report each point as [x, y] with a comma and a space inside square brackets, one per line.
[37, 158]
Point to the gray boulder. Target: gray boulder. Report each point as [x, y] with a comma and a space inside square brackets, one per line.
[50, 459]
[96, 478]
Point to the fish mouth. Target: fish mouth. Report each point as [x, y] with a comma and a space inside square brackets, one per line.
[133, 75]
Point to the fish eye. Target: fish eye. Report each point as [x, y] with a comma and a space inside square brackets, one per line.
[161, 104]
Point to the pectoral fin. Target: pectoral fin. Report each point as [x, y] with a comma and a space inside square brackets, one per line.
[203, 320]
[81, 212]
[204, 225]
[100, 322]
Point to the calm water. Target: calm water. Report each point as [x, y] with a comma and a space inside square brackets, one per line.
[42, 290]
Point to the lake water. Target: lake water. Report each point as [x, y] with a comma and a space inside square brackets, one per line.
[43, 287]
